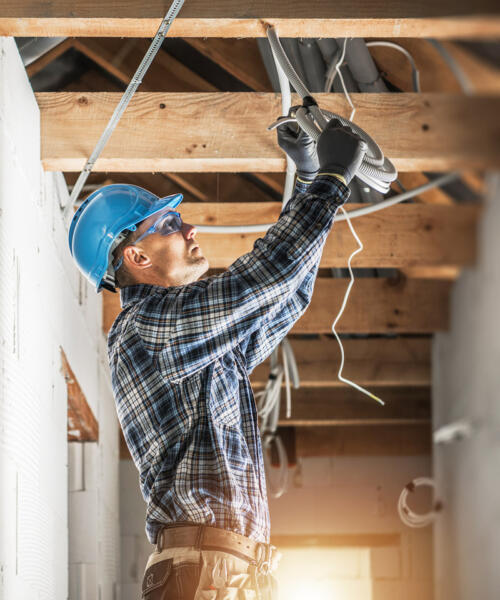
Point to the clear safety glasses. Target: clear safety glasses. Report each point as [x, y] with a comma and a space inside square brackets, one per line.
[167, 223]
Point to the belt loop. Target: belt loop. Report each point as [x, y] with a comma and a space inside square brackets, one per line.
[199, 537]
[159, 541]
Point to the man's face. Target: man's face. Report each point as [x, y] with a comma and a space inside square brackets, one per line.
[169, 260]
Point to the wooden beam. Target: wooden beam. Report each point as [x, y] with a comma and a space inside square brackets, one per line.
[346, 406]
[48, 57]
[82, 424]
[371, 362]
[433, 196]
[227, 131]
[241, 58]
[378, 306]
[449, 273]
[198, 18]
[408, 440]
[375, 306]
[400, 236]
[435, 74]
[122, 57]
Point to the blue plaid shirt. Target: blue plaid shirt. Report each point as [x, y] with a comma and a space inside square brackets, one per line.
[180, 359]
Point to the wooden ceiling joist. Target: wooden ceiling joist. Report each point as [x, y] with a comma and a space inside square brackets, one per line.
[122, 57]
[345, 406]
[378, 306]
[386, 362]
[234, 18]
[364, 440]
[375, 306]
[400, 236]
[228, 131]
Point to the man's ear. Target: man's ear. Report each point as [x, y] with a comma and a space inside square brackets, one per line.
[136, 258]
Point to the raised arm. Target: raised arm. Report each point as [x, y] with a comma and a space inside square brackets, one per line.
[197, 323]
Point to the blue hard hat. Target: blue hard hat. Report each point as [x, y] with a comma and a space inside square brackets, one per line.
[97, 224]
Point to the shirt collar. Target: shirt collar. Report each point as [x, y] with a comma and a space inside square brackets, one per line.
[133, 293]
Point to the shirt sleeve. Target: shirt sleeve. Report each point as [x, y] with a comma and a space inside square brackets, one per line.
[260, 344]
[197, 323]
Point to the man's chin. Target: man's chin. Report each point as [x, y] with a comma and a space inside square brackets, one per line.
[200, 265]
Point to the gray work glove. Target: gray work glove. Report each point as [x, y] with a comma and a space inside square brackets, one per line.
[340, 150]
[301, 148]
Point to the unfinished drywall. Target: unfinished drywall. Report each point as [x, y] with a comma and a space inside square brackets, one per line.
[466, 380]
[45, 305]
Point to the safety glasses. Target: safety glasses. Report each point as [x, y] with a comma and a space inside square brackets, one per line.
[167, 223]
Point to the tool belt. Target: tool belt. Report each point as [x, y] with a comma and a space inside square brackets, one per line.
[202, 537]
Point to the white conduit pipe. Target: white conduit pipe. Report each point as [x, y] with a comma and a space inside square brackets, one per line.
[353, 214]
[376, 158]
[375, 170]
[286, 102]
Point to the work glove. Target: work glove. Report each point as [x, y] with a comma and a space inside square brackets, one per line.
[340, 150]
[301, 148]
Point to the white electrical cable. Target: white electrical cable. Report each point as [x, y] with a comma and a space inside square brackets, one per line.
[411, 60]
[353, 254]
[408, 516]
[353, 214]
[276, 484]
[268, 403]
[346, 93]
[136, 80]
[286, 102]
[341, 312]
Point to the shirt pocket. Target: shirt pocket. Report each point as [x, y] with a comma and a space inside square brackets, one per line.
[224, 400]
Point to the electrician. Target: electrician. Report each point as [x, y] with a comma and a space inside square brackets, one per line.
[180, 354]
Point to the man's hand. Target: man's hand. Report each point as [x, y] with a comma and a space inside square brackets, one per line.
[340, 150]
[301, 148]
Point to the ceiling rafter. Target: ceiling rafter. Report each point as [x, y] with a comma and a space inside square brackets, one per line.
[234, 18]
[384, 306]
[227, 131]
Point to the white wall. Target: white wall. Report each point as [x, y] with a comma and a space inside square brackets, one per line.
[466, 380]
[44, 305]
[135, 547]
[358, 495]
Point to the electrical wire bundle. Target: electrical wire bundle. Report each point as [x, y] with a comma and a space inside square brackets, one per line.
[268, 407]
[408, 516]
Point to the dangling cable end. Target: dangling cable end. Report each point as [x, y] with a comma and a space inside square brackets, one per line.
[377, 399]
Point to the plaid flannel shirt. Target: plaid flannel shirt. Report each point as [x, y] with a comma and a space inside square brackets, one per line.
[180, 359]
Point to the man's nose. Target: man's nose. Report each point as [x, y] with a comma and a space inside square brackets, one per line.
[189, 231]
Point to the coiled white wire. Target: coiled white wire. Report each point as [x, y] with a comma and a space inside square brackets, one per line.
[408, 516]
[268, 403]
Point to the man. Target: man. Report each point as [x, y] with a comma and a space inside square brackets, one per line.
[180, 354]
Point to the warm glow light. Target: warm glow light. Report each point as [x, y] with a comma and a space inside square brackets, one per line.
[307, 590]
[325, 574]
